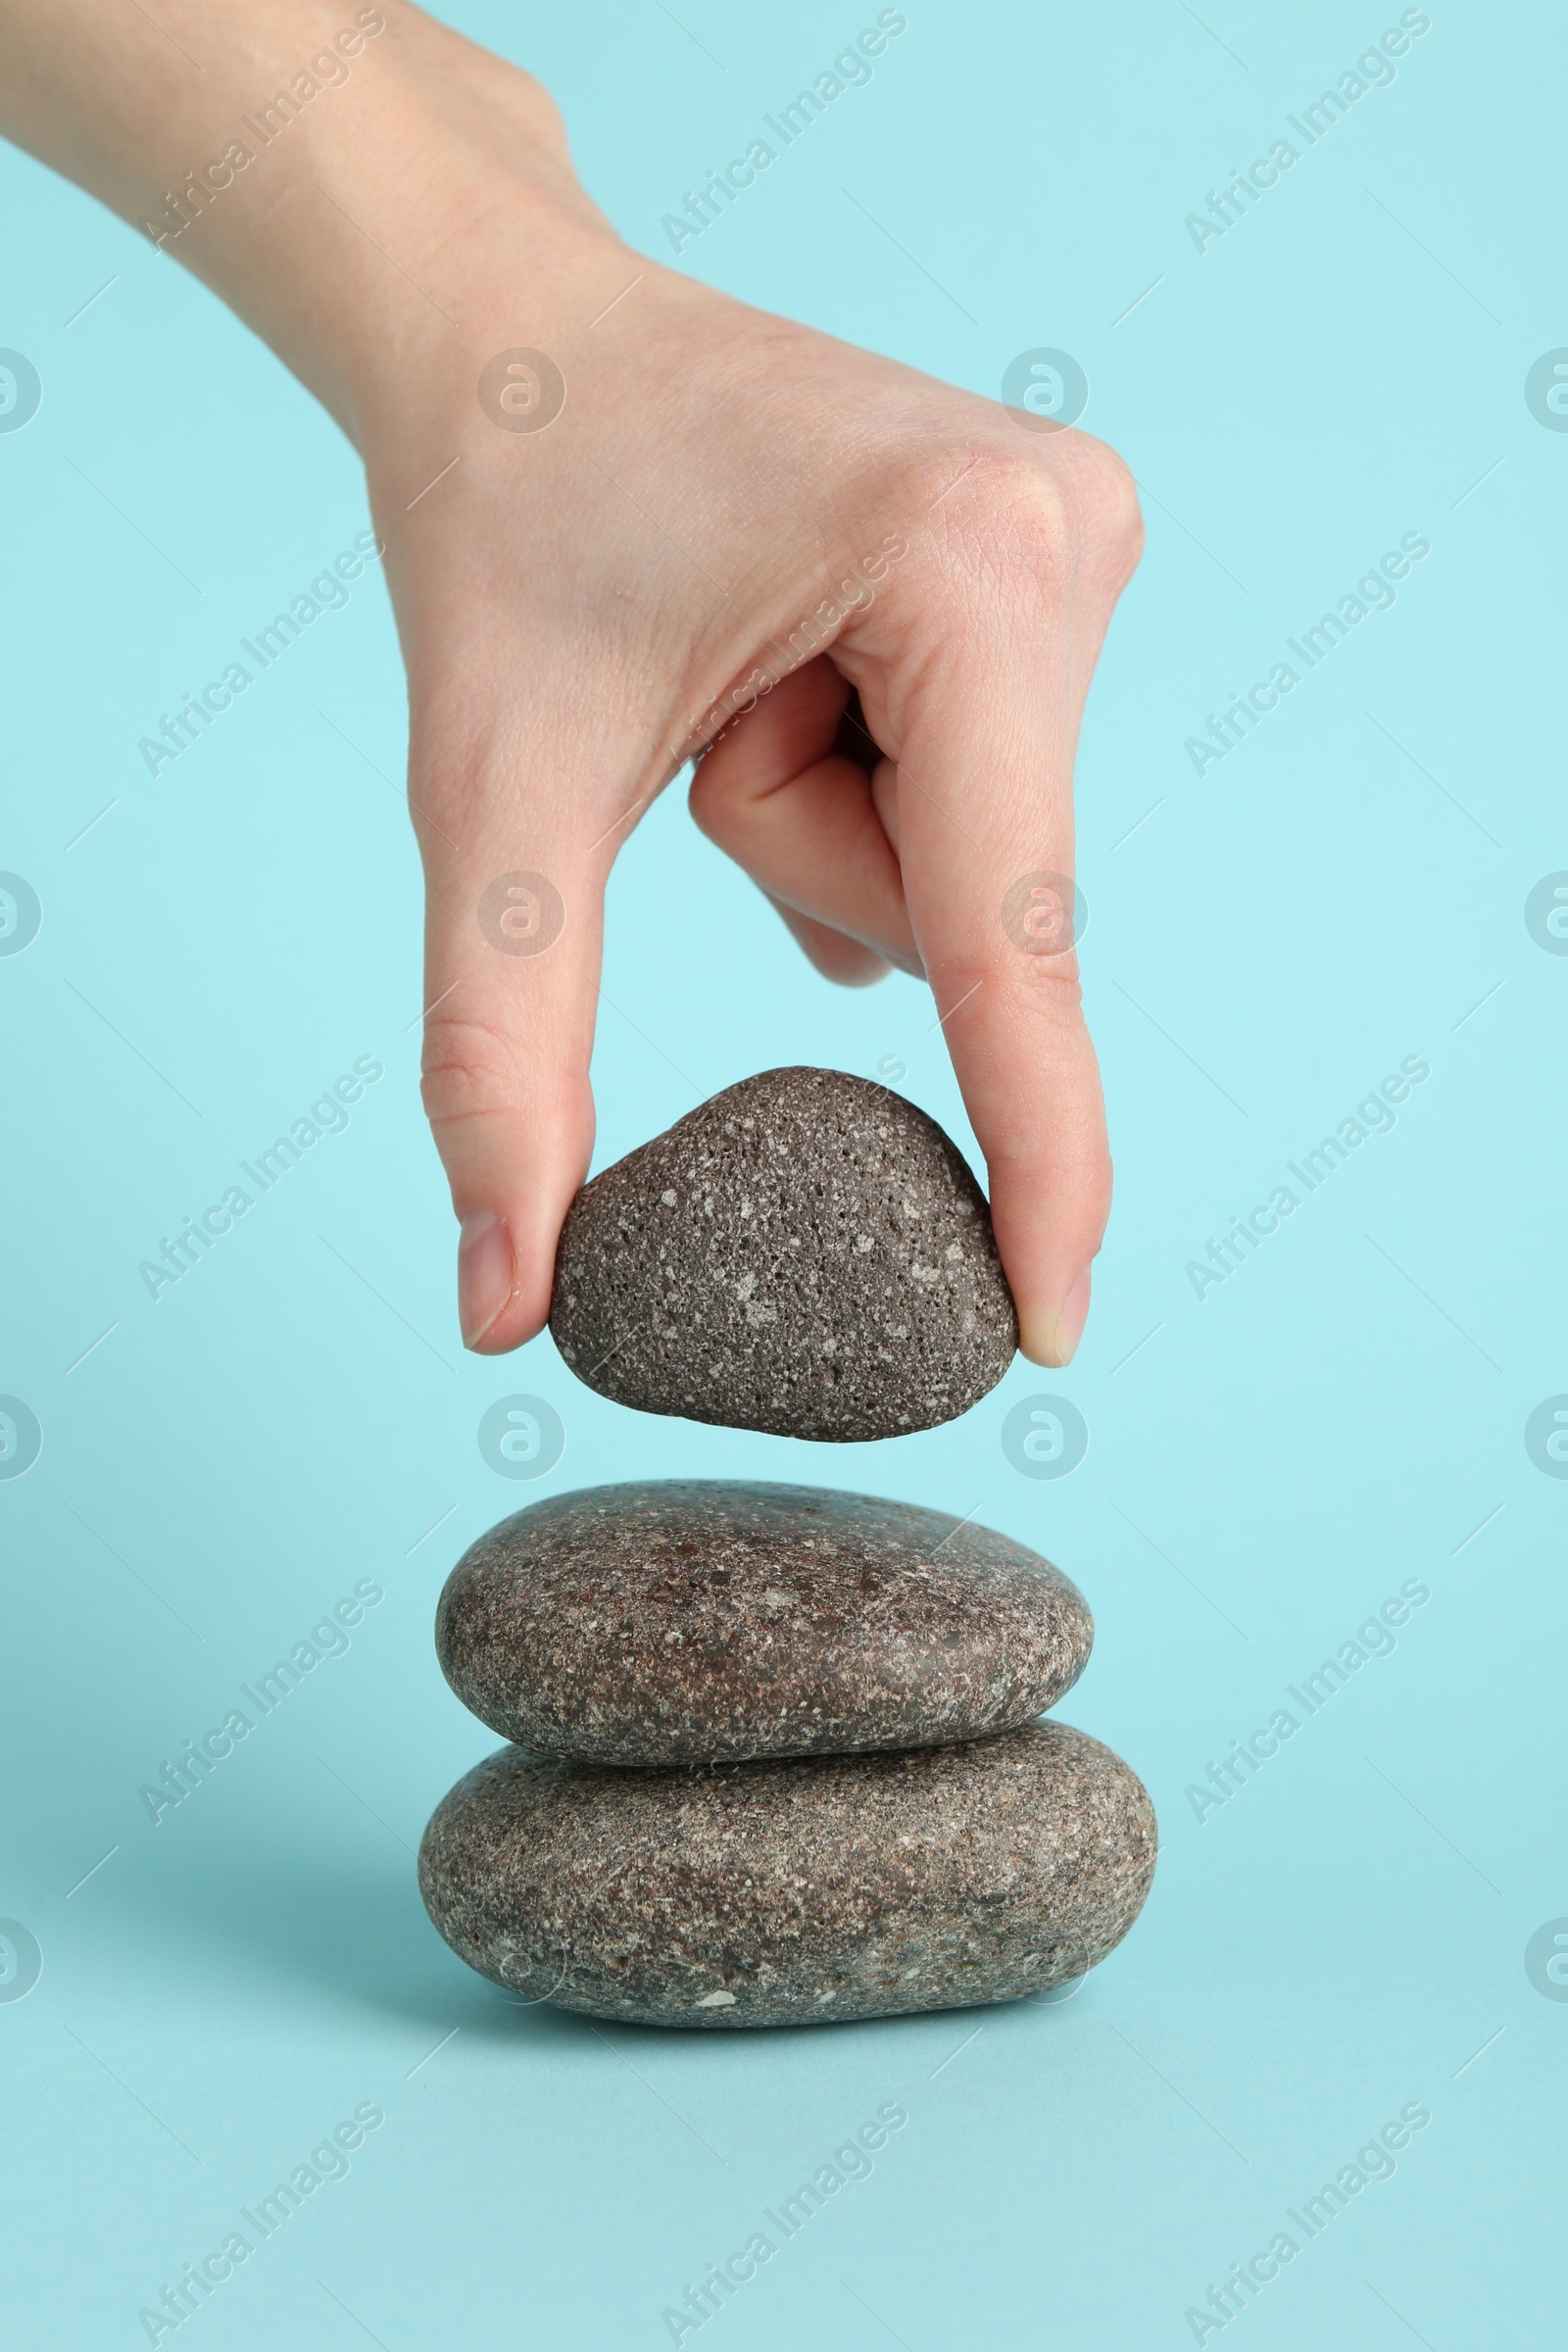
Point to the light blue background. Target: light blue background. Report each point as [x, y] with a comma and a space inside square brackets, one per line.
[1344, 1935]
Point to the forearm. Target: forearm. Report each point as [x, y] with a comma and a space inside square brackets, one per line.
[320, 164]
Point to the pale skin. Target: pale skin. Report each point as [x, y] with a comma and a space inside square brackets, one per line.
[580, 608]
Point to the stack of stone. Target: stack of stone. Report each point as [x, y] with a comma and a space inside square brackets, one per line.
[777, 1751]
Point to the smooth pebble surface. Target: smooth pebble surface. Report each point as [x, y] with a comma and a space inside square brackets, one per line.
[692, 1619]
[793, 1894]
[807, 1253]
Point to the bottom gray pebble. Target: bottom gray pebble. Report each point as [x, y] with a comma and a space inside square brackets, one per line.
[793, 1892]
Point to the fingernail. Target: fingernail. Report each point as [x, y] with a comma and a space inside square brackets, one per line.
[485, 1273]
[1059, 1336]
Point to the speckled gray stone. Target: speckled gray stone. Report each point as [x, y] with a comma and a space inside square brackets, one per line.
[793, 1894]
[805, 1253]
[689, 1620]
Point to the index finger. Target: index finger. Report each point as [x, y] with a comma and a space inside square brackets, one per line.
[987, 730]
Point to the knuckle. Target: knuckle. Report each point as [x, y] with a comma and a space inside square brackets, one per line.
[714, 807]
[1112, 520]
[1008, 497]
[729, 805]
[468, 1070]
[1047, 989]
[1058, 512]
[1046, 992]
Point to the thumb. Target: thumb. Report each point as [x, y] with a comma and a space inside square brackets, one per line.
[513, 933]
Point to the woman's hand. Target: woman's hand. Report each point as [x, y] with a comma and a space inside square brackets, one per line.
[626, 517]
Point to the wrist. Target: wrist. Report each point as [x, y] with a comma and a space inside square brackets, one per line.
[360, 224]
[447, 227]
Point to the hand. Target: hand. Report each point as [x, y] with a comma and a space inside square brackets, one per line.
[883, 599]
[733, 524]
